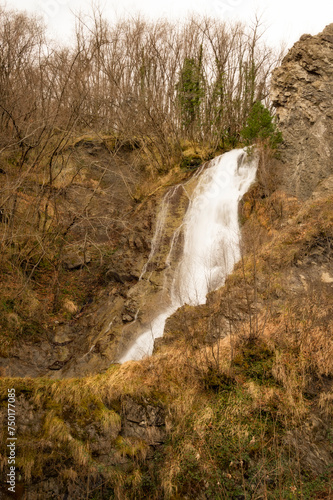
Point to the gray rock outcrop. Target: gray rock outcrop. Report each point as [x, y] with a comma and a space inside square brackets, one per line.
[302, 93]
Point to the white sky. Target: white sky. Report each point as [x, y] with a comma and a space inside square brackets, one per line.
[285, 19]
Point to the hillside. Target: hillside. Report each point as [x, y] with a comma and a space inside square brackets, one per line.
[237, 400]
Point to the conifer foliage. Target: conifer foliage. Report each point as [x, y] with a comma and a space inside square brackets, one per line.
[191, 91]
[260, 126]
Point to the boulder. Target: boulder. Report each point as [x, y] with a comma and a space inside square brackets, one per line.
[75, 260]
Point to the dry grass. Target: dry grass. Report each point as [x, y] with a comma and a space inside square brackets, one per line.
[241, 410]
[250, 415]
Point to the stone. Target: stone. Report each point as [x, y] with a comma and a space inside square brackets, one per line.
[127, 318]
[62, 337]
[57, 365]
[75, 260]
[114, 276]
[326, 278]
[144, 421]
[301, 91]
[69, 306]
[62, 353]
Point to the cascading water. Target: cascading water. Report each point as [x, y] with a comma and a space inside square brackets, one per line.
[211, 240]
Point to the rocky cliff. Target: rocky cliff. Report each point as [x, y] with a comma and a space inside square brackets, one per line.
[302, 93]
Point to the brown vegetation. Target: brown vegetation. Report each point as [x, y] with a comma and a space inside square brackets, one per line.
[237, 400]
[245, 384]
[86, 129]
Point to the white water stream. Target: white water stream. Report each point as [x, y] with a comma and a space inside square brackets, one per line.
[211, 240]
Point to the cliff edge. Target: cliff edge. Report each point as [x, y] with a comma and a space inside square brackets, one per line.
[302, 93]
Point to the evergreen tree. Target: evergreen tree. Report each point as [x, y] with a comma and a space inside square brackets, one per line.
[260, 126]
[190, 91]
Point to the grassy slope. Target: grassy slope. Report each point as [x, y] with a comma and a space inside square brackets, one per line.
[247, 416]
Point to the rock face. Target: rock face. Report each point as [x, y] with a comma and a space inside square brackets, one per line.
[302, 92]
[145, 422]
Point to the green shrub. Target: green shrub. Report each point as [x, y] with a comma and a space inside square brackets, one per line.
[254, 360]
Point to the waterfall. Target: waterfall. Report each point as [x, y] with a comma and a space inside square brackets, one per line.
[161, 220]
[211, 240]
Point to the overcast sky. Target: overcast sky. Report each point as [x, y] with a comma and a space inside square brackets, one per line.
[285, 19]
